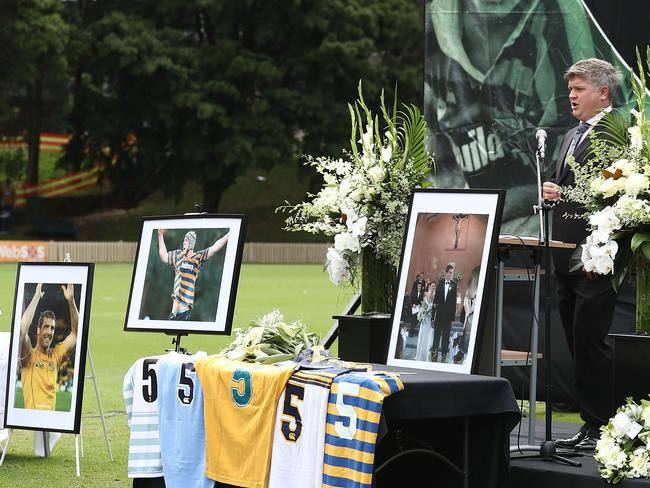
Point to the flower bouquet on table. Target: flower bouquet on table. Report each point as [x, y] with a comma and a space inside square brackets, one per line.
[271, 339]
[614, 188]
[365, 196]
[622, 450]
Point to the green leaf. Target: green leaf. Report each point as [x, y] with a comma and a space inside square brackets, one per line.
[645, 250]
[638, 239]
[575, 262]
[623, 260]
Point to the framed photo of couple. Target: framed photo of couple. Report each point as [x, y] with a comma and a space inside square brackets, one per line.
[186, 273]
[440, 302]
[48, 344]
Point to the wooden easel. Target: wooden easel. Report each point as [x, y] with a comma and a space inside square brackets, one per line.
[77, 437]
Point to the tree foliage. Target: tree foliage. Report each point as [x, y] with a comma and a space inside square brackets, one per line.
[33, 67]
[170, 91]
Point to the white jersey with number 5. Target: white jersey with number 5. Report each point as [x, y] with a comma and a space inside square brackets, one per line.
[299, 432]
[140, 391]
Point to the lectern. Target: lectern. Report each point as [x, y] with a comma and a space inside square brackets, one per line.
[508, 244]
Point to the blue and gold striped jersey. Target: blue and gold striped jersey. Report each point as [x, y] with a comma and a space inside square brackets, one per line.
[353, 414]
[186, 270]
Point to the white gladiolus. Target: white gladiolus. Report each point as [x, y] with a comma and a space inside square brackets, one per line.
[636, 139]
[367, 139]
[345, 187]
[386, 153]
[378, 173]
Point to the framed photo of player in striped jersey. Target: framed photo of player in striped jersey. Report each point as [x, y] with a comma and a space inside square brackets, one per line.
[47, 354]
[186, 273]
[440, 302]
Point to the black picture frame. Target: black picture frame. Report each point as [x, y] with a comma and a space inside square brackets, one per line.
[45, 382]
[428, 330]
[201, 290]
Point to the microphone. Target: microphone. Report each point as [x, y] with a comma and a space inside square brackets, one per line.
[540, 135]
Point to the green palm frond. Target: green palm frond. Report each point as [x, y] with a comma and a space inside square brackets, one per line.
[414, 134]
[615, 128]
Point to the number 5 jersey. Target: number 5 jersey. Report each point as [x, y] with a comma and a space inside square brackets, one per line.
[182, 432]
[140, 389]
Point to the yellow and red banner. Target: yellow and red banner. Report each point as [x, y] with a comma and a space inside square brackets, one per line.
[14, 251]
[60, 186]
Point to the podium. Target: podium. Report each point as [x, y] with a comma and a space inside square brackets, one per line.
[508, 244]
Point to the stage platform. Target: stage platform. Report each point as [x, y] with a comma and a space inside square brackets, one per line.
[540, 473]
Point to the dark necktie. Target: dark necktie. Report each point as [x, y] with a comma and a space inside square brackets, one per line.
[582, 128]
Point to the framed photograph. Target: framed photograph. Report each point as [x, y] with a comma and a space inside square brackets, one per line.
[186, 273]
[47, 353]
[449, 245]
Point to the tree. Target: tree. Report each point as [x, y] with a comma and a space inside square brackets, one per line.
[178, 91]
[34, 81]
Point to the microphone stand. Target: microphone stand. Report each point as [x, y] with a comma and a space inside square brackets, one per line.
[547, 449]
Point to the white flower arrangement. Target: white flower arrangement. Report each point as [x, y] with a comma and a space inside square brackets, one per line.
[623, 448]
[426, 311]
[270, 339]
[617, 198]
[365, 196]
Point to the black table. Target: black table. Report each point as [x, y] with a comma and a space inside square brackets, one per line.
[452, 429]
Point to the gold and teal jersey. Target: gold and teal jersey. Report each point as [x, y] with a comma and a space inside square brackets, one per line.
[186, 270]
[240, 402]
[353, 413]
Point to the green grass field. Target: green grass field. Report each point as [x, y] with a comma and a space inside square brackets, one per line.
[299, 291]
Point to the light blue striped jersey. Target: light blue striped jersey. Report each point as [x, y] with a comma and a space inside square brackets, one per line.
[353, 413]
[140, 389]
[181, 423]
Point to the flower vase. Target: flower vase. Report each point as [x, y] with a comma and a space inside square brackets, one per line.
[642, 296]
[377, 283]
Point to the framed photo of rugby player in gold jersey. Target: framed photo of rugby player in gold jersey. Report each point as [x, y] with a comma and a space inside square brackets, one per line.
[186, 274]
[441, 300]
[47, 354]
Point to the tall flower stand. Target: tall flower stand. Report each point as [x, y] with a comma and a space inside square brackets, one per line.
[365, 338]
[377, 283]
[631, 353]
[632, 350]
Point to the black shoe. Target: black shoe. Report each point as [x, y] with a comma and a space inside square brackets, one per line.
[572, 442]
[586, 444]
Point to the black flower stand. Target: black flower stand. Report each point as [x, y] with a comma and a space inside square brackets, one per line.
[364, 338]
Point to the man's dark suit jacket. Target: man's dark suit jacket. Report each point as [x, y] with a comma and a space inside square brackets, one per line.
[446, 308]
[569, 229]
